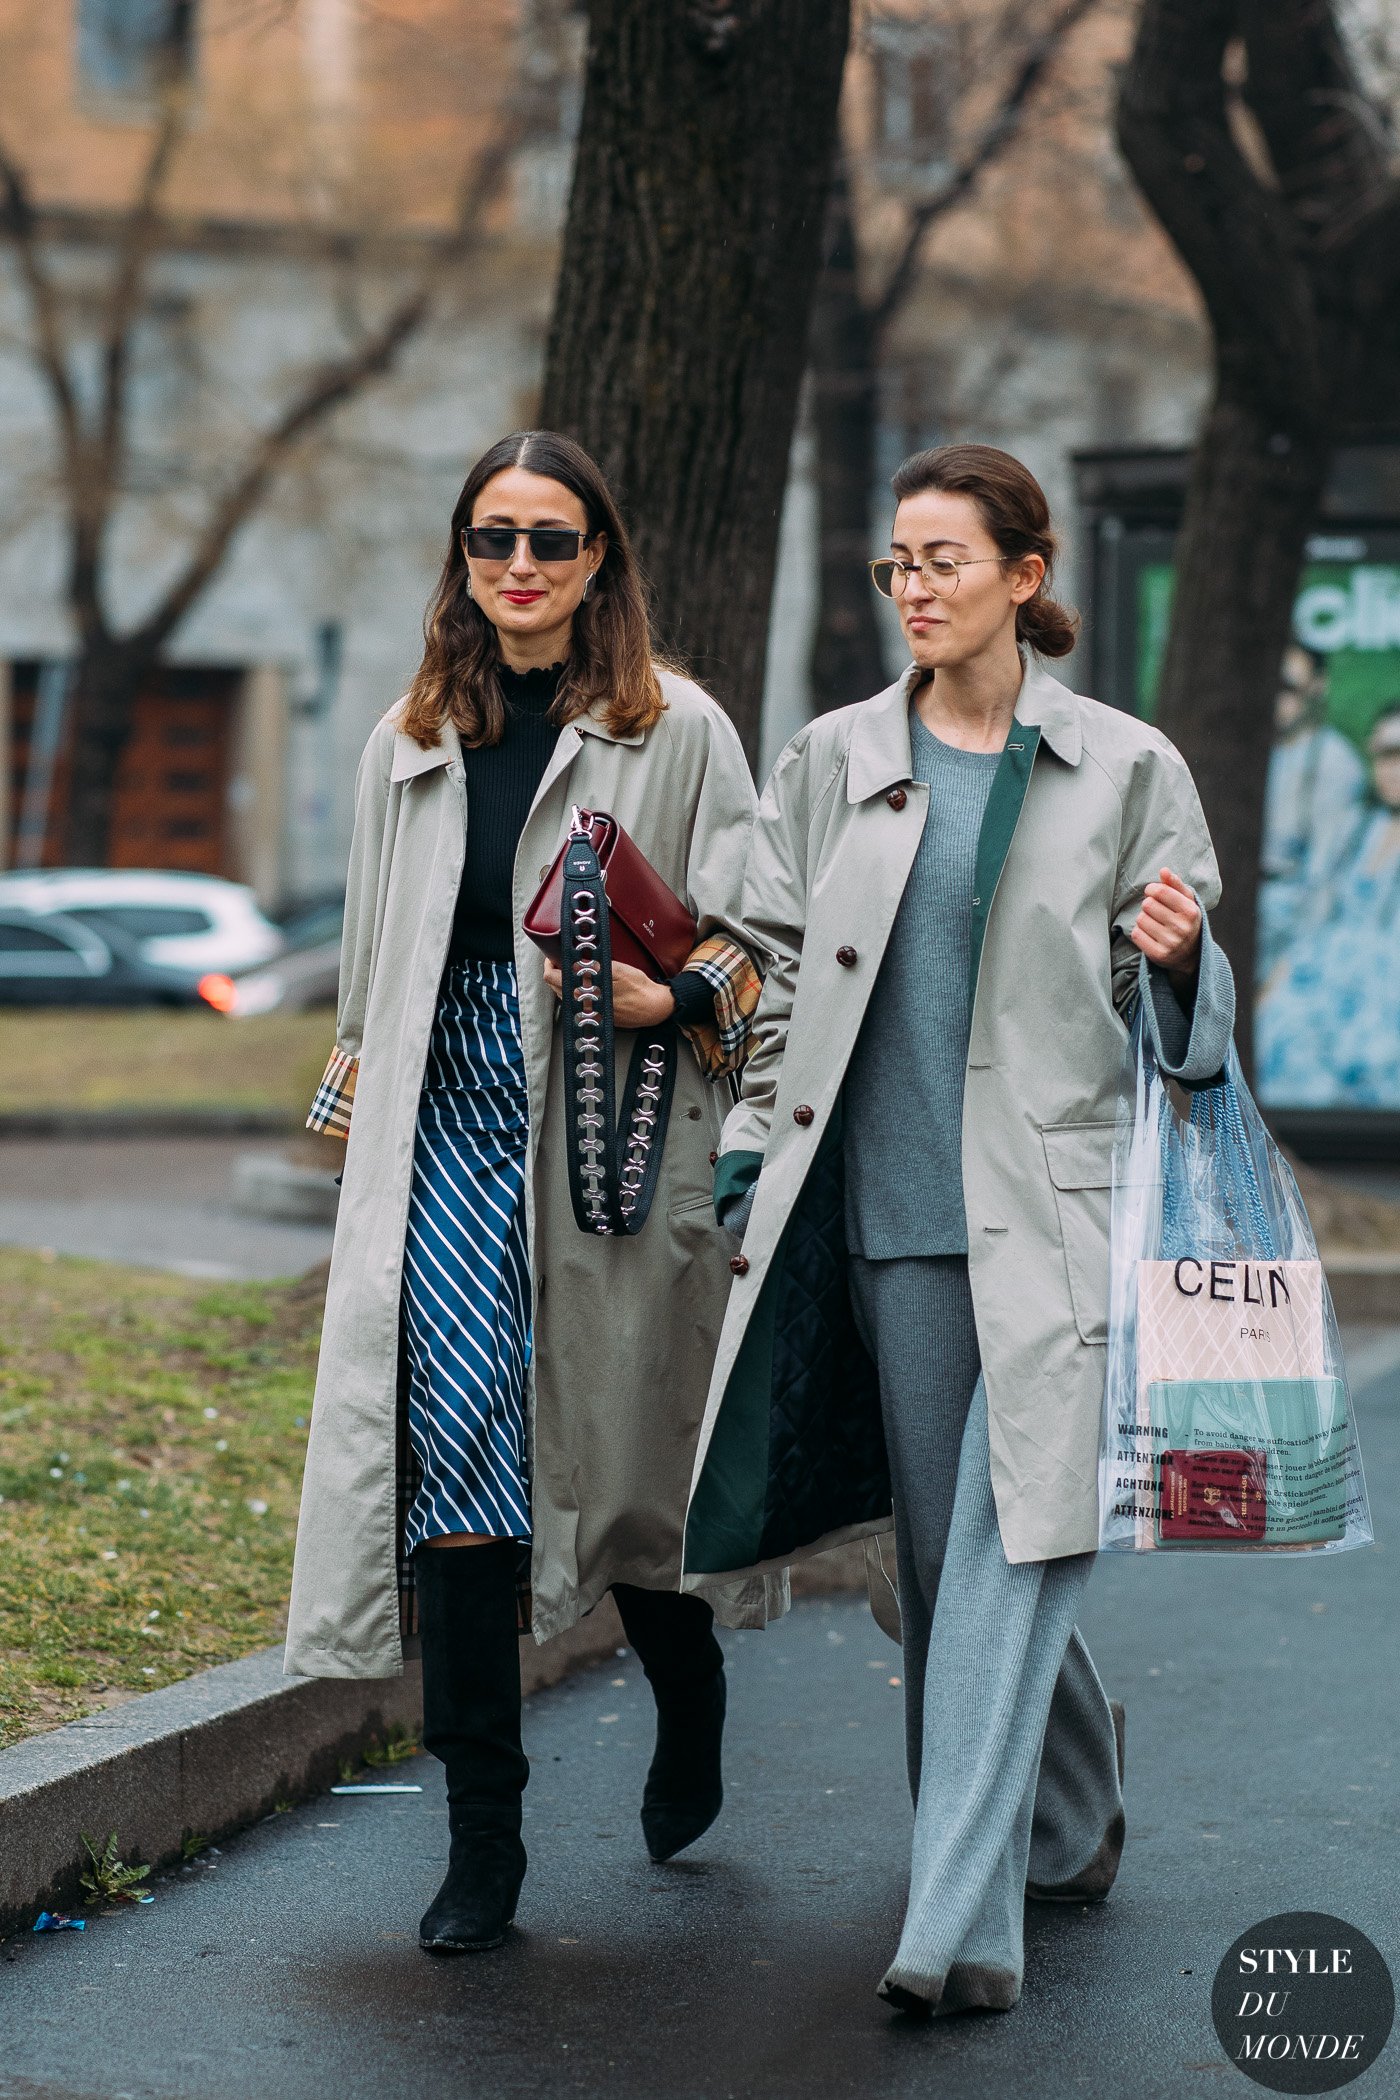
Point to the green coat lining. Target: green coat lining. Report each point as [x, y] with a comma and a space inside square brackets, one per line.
[999, 822]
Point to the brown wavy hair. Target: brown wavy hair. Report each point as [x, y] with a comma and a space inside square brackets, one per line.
[611, 662]
[1014, 510]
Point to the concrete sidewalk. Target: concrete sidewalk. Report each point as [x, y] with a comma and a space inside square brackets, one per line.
[153, 1202]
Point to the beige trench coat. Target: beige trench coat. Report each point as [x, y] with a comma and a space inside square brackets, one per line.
[1089, 805]
[624, 1329]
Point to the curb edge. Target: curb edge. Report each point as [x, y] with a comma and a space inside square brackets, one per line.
[210, 1755]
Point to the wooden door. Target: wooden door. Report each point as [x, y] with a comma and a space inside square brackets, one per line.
[170, 805]
[170, 801]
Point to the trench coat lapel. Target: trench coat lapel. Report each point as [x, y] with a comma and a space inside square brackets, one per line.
[410, 759]
[880, 755]
[542, 823]
[869, 873]
[539, 841]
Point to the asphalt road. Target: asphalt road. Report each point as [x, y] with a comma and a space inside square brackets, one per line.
[159, 1203]
[1263, 1723]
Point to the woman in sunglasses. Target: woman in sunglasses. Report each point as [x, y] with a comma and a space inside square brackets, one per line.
[504, 1402]
[959, 888]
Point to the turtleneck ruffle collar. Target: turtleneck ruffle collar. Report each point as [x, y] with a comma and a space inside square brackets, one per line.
[534, 688]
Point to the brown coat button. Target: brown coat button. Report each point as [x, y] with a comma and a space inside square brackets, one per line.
[802, 1114]
[739, 1263]
[847, 958]
[714, 1159]
[896, 798]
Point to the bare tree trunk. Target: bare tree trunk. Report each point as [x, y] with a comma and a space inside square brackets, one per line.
[1286, 244]
[689, 263]
[1252, 499]
[847, 660]
[107, 681]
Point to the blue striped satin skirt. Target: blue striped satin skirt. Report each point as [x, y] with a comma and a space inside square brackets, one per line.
[466, 1286]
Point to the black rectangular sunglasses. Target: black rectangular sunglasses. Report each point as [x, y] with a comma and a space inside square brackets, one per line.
[547, 542]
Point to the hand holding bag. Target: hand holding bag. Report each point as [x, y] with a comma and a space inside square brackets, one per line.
[601, 900]
[648, 926]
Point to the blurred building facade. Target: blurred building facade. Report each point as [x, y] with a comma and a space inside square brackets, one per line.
[323, 151]
[325, 148]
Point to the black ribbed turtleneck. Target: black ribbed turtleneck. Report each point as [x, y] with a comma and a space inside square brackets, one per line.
[501, 781]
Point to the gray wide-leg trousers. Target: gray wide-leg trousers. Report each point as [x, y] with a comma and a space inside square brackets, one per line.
[1010, 1742]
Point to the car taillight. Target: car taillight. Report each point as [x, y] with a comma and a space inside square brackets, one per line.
[218, 991]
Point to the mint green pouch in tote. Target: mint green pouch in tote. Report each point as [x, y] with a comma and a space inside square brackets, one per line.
[1300, 1427]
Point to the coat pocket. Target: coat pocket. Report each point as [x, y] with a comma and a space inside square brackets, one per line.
[1079, 1157]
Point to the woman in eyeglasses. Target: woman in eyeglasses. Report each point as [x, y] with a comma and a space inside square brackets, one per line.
[959, 888]
[503, 1402]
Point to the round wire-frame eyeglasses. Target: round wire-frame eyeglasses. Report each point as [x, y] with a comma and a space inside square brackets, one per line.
[940, 573]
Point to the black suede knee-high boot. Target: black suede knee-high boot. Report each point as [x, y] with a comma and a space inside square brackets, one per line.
[684, 1663]
[471, 1720]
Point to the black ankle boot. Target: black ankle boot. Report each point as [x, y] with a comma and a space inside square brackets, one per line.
[675, 1643]
[471, 1720]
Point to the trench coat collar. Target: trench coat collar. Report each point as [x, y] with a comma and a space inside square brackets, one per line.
[880, 754]
[594, 723]
[410, 759]
[1052, 708]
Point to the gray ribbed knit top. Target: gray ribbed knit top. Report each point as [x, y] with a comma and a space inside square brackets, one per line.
[904, 1084]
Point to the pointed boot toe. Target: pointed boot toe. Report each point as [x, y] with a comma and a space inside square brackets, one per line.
[669, 1827]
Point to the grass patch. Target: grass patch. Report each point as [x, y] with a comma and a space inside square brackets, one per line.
[152, 1434]
[152, 1058]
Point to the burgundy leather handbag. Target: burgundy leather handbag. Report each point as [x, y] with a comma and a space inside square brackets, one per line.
[648, 925]
[602, 901]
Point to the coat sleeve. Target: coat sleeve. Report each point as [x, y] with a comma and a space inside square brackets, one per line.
[722, 819]
[1191, 1041]
[1164, 826]
[773, 926]
[722, 812]
[364, 890]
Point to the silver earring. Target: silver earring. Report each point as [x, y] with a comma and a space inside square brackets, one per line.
[470, 592]
[588, 587]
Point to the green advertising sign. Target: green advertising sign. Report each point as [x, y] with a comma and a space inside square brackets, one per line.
[1327, 1027]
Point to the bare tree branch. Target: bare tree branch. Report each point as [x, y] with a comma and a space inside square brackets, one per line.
[137, 243]
[327, 389]
[19, 221]
[1237, 237]
[1321, 128]
[994, 140]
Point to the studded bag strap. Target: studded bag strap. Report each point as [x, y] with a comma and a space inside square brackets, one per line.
[614, 1162]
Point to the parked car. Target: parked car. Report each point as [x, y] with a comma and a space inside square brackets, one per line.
[305, 974]
[194, 923]
[50, 959]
